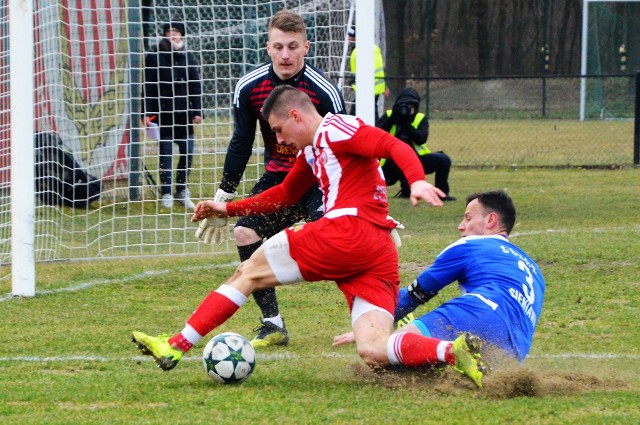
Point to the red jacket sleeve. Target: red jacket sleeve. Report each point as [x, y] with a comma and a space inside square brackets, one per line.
[373, 142]
[295, 184]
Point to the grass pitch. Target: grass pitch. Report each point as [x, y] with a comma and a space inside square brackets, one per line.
[66, 357]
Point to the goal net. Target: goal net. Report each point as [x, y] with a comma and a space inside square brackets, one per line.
[610, 47]
[87, 93]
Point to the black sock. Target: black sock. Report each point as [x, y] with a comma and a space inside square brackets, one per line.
[265, 298]
[267, 301]
[245, 251]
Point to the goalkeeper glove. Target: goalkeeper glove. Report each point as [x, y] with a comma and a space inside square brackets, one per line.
[214, 229]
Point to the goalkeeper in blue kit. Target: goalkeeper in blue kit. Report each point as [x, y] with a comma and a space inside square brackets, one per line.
[502, 287]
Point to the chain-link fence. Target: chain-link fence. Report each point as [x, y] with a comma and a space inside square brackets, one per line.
[533, 121]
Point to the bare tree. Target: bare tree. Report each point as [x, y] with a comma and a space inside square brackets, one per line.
[395, 23]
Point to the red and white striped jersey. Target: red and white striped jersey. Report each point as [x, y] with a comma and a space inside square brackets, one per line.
[343, 159]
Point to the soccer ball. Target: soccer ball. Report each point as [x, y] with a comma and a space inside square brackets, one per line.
[228, 358]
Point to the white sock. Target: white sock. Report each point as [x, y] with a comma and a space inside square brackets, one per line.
[191, 335]
[276, 320]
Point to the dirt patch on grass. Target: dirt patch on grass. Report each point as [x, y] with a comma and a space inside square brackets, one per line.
[507, 379]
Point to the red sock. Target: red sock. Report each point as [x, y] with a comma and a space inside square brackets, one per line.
[180, 342]
[414, 350]
[213, 311]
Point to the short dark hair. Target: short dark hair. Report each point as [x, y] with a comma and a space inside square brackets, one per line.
[282, 97]
[287, 21]
[499, 202]
[179, 26]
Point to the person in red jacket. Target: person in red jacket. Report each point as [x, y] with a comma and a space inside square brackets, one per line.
[351, 244]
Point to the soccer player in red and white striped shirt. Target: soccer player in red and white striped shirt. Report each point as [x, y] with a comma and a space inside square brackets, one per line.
[350, 244]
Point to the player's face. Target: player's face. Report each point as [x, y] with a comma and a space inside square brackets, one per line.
[287, 51]
[289, 130]
[474, 222]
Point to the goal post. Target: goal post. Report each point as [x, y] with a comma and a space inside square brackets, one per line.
[76, 73]
[22, 174]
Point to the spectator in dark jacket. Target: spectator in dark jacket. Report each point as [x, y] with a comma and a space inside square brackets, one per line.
[412, 127]
[172, 93]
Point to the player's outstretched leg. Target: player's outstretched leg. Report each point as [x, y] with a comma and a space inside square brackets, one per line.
[165, 356]
[468, 359]
[270, 334]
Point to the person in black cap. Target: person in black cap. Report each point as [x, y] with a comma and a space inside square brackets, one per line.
[412, 127]
[173, 101]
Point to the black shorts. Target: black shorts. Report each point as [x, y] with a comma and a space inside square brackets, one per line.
[308, 208]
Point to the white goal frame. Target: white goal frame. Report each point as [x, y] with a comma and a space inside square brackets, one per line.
[23, 206]
[30, 229]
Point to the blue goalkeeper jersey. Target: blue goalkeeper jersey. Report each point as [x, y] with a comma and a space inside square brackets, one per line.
[495, 271]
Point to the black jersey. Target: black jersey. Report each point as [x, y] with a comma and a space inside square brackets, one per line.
[248, 99]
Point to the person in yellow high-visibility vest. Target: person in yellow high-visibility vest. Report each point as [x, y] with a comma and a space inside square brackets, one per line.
[412, 127]
[380, 88]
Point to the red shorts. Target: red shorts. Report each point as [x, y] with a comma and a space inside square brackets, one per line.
[359, 256]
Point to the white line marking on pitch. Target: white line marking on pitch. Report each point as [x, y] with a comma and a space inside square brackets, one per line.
[142, 275]
[289, 356]
[631, 228]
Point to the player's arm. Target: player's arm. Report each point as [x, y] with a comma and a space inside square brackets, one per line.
[295, 184]
[447, 268]
[240, 147]
[283, 195]
[407, 160]
[374, 142]
[214, 229]
[414, 296]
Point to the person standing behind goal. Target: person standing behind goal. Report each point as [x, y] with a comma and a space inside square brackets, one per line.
[173, 101]
[287, 47]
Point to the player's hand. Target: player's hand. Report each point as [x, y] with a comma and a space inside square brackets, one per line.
[343, 339]
[214, 222]
[427, 192]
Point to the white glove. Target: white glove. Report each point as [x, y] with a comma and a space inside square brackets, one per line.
[215, 229]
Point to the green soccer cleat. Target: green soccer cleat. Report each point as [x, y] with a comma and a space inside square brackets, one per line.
[269, 335]
[405, 320]
[165, 355]
[468, 359]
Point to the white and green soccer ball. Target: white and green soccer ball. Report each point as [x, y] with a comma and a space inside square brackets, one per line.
[229, 358]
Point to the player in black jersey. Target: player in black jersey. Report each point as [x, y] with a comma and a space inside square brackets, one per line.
[287, 47]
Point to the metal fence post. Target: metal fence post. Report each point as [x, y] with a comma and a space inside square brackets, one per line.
[636, 126]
